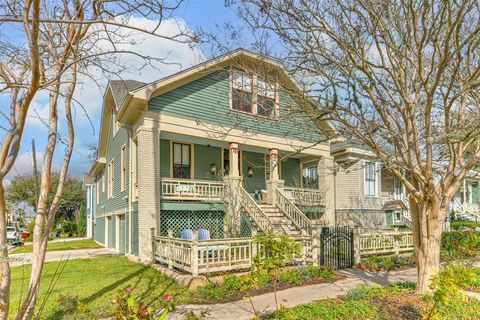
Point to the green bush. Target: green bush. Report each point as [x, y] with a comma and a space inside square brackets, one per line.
[385, 263]
[460, 244]
[232, 284]
[69, 227]
[467, 224]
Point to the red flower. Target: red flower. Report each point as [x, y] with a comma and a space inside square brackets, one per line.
[167, 297]
[128, 289]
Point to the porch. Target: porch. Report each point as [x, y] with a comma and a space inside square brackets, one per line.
[465, 203]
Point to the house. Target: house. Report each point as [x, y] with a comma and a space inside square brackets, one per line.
[169, 150]
[166, 149]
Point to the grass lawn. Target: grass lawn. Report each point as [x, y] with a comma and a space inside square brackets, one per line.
[93, 284]
[395, 302]
[61, 245]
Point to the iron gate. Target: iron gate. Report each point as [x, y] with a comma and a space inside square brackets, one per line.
[336, 247]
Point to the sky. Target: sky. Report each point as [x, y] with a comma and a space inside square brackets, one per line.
[208, 15]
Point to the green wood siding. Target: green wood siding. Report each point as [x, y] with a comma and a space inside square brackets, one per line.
[290, 172]
[257, 162]
[204, 156]
[165, 158]
[100, 229]
[207, 100]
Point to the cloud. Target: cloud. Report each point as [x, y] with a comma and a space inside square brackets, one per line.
[24, 165]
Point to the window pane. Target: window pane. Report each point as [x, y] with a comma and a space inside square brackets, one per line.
[237, 79]
[265, 107]
[185, 154]
[266, 89]
[177, 153]
[241, 100]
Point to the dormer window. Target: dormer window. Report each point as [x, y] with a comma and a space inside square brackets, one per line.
[253, 94]
[242, 91]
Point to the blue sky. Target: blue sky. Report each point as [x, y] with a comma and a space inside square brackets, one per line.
[209, 15]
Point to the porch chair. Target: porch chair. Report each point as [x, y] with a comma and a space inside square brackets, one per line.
[203, 234]
[186, 234]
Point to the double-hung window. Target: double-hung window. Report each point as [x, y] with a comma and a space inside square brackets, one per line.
[370, 169]
[181, 160]
[242, 91]
[265, 98]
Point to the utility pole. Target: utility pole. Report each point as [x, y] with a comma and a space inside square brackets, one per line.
[35, 171]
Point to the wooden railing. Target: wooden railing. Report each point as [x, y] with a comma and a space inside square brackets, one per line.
[180, 189]
[254, 211]
[385, 243]
[298, 218]
[200, 257]
[470, 211]
[305, 197]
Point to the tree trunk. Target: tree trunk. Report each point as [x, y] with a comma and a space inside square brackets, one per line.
[4, 264]
[427, 220]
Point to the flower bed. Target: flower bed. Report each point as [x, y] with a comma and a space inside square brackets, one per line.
[231, 288]
[386, 263]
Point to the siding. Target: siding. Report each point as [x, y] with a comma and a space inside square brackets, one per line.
[207, 100]
[135, 230]
[100, 229]
[350, 185]
[117, 202]
[290, 172]
[257, 162]
[165, 158]
[204, 156]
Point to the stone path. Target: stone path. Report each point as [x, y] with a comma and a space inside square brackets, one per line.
[26, 258]
[242, 310]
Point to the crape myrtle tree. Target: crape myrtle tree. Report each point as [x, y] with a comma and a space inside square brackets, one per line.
[46, 47]
[402, 77]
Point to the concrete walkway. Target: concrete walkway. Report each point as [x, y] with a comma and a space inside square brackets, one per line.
[242, 310]
[26, 258]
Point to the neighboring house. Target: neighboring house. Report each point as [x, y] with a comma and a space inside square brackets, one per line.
[89, 187]
[165, 149]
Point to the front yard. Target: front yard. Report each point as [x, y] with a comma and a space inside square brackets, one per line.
[61, 245]
[87, 287]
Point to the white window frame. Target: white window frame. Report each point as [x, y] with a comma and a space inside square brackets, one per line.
[365, 187]
[111, 177]
[123, 168]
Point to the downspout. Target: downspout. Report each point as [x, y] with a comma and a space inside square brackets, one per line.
[128, 127]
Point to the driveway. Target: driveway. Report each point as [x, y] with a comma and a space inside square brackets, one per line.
[26, 258]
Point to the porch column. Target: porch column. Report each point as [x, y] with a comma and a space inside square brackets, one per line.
[274, 182]
[234, 151]
[148, 169]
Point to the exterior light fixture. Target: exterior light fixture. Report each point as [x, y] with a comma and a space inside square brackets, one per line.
[250, 172]
[213, 168]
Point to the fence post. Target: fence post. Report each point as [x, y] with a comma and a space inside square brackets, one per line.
[195, 253]
[396, 242]
[154, 246]
[315, 247]
[170, 249]
[356, 243]
[254, 243]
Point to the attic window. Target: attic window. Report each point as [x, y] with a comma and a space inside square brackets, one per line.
[242, 91]
[252, 94]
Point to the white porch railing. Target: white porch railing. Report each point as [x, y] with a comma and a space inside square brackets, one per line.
[254, 211]
[299, 219]
[305, 197]
[199, 257]
[385, 243]
[468, 211]
[180, 189]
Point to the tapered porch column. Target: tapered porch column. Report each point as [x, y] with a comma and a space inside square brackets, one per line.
[148, 189]
[233, 159]
[274, 182]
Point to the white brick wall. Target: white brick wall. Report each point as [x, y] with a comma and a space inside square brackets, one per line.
[148, 188]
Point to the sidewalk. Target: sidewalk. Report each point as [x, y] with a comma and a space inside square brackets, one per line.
[242, 310]
[26, 258]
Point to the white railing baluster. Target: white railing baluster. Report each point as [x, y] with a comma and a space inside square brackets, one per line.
[180, 189]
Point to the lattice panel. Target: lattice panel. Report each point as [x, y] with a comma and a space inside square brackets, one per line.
[246, 227]
[177, 220]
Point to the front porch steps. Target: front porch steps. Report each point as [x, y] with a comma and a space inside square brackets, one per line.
[281, 223]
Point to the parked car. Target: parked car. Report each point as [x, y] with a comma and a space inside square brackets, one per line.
[13, 235]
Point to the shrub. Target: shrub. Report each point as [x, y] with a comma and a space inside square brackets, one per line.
[460, 244]
[69, 227]
[456, 225]
[385, 263]
[126, 308]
